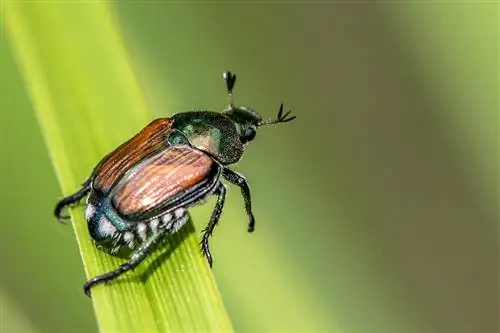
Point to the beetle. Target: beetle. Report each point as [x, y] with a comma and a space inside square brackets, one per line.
[140, 192]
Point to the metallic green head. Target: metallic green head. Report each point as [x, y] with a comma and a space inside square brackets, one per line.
[225, 134]
[246, 119]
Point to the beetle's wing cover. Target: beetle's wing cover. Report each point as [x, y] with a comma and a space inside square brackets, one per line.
[150, 139]
[174, 177]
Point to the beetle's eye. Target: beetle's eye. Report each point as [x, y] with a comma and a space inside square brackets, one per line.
[249, 134]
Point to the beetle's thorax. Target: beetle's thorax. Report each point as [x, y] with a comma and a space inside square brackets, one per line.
[212, 132]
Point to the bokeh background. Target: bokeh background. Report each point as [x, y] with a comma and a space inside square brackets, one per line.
[376, 209]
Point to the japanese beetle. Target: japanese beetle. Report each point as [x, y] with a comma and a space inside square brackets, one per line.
[140, 192]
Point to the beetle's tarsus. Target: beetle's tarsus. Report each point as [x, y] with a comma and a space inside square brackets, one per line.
[87, 286]
[70, 201]
[63, 218]
[205, 249]
[214, 219]
[135, 259]
[206, 252]
[237, 179]
[251, 225]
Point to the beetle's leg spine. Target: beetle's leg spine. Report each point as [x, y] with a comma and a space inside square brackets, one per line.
[135, 259]
[70, 200]
[239, 180]
[214, 219]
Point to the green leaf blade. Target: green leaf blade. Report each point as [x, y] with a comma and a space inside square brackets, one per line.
[88, 100]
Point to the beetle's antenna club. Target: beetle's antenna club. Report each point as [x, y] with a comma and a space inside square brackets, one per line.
[279, 119]
[230, 82]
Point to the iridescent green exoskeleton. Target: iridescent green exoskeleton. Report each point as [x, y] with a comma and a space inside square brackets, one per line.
[141, 191]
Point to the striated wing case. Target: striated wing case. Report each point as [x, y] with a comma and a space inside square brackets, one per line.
[151, 138]
[173, 177]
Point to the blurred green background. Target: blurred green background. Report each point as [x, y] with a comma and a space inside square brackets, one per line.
[376, 209]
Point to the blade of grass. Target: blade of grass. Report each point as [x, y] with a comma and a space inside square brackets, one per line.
[88, 101]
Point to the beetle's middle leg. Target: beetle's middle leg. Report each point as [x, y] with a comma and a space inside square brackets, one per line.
[240, 181]
[135, 259]
[71, 200]
[214, 219]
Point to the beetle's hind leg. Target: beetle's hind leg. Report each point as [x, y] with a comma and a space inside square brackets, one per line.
[71, 200]
[135, 259]
[214, 219]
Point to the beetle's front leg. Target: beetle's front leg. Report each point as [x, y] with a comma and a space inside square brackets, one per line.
[135, 259]
[214, 219]
[240, 181]
[71, 200]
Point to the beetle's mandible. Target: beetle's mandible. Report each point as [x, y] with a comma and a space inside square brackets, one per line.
[140, 192]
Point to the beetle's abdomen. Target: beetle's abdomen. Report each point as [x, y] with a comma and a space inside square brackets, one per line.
[160, 179]
[152, 138]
